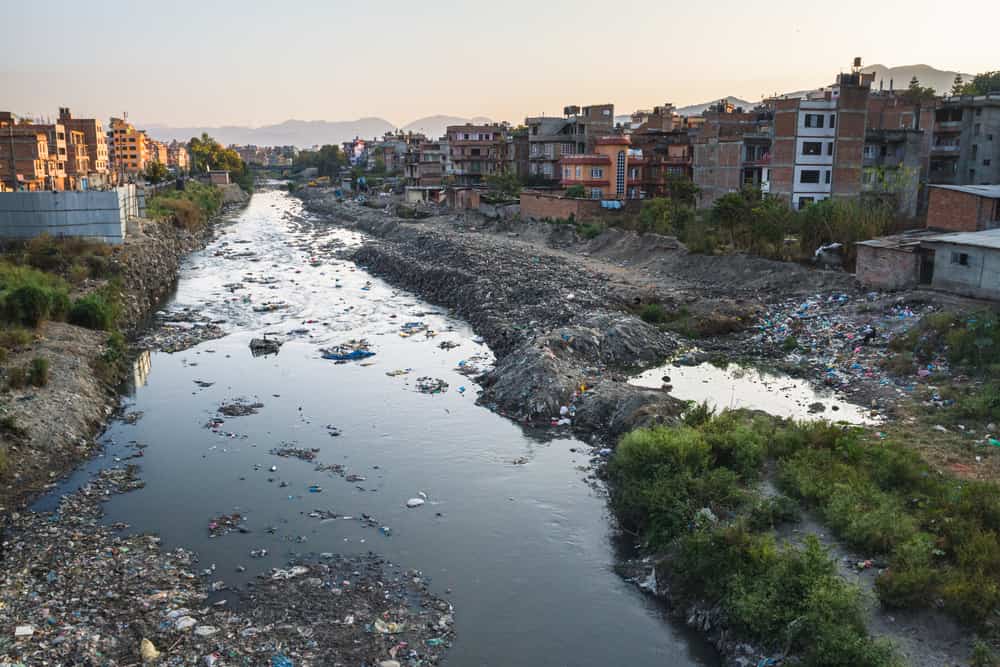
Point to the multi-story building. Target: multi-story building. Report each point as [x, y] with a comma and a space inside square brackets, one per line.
[78, 159]
[732, 151]
[430, 167]
[550, 138]
[818, 145]
[612, 171]
[177, 157]
[966, 144]
[94, 139]
[129, 151]
[24, 155]
[477, 151]
[158, 151]
[896, 152]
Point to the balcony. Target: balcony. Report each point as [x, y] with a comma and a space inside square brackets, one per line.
[946, 148]
[948, 126]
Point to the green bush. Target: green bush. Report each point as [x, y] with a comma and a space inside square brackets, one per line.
[769, 513]
[94, 311]
[653, 313]
[17, 377]
[590, 230]
[38, 372]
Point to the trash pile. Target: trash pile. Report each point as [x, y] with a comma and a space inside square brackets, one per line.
[297, 453]
[349, 351]
[240, 407]
[429, 385]
[841, 340]
[180, 330]
[413, 328]
[225, 524]
[264, 346]
[270, 306]
[77, 592]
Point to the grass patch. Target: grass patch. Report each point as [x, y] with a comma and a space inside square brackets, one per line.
[190, 208]
[28, 296]
[38, 372]
[686, 491]
[98, 310]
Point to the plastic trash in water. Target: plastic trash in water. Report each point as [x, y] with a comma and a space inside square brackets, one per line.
[281, 660]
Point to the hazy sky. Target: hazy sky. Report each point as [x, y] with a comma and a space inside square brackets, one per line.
[216, 62]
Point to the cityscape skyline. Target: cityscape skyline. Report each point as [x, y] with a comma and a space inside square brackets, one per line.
[250, 65]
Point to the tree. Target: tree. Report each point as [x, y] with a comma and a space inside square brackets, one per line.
[155, 172]
[958, 86]
[917, 94]
[576, 192]
[771, 220]
[682, 190]
[504, 185]
[732, 212]
[983, 83]
[328, 160]
[665, 216]
[207, 153]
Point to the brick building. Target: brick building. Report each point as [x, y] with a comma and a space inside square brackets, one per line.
[24, 155]
[477, 151]
[94, 139]
[964, 208]
[129, 148]
[732, 151]
[818, 146]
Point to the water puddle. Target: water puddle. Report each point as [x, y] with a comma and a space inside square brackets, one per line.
[737, 386]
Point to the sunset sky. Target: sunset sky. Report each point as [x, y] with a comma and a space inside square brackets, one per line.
[253, 63]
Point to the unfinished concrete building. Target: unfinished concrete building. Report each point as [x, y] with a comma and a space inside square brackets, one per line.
[966, 144]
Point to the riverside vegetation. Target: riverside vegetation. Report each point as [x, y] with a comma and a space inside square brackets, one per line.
[692, 493]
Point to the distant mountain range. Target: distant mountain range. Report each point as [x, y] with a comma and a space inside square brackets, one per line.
[306, 133]
[929, 77]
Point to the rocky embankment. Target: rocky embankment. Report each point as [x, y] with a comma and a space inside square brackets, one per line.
[49, 430]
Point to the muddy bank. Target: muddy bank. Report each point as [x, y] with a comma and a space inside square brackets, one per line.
[50, 429]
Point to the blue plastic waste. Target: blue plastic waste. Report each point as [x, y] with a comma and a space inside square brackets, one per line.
[349, 356]
[279, 660]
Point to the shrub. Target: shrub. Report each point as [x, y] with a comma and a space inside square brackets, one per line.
[94, 311]
[590, 230]
[17, 377]
[653, 313]
[30, 304]
[768, 513]
[78, 273]
[790, 344]
[38, 372]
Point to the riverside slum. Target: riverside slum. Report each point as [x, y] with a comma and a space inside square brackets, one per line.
[561, 311]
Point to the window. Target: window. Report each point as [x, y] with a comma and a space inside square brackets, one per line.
[595, 193]
[829, 148]
[975, 129]
[812, 148]
[809, 176]
[567, 172]
[960, 258]
[987, 162]
[833, 120]
[827, 174]
[975, 150]
[804, 201]
[579, 172]
[633, 173]
[870, 151]
[596, 172]
[814, 120]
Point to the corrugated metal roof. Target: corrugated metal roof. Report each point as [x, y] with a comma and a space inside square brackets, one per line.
[985, 239]
[991, 191]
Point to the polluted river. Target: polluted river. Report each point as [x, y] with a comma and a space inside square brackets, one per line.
[386, 453]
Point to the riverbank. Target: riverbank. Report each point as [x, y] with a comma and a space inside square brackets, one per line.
[562, 312]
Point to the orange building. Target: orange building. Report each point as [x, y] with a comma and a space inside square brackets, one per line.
[129, 147]
[94, 139]
[612, 171]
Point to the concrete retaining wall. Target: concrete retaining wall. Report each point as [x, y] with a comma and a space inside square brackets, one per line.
[97, 215]
[556, 207]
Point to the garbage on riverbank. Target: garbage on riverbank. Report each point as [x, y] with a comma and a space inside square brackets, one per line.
[76, 592]
[429, 385]
[264, 346]
[240, 407]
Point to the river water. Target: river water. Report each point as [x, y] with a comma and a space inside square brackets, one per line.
[512, 532]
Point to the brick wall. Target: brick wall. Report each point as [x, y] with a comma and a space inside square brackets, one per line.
[956, 211]
[887, 268]
[540, 206]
